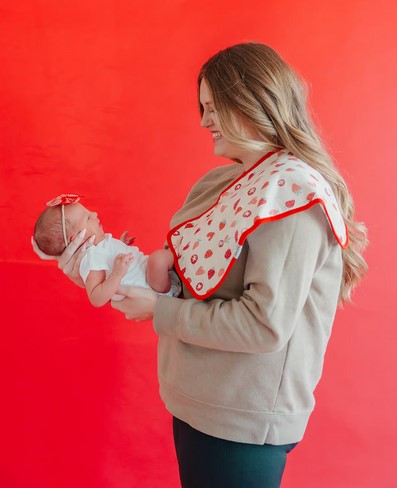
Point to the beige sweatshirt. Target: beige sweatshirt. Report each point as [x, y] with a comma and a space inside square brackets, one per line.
[243, 364]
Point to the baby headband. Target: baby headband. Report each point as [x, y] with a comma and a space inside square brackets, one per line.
[62, 200]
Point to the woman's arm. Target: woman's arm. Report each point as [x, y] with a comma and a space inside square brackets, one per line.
[282, 260]
[101, 289]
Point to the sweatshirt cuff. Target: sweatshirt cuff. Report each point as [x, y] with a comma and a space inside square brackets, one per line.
[165, 315]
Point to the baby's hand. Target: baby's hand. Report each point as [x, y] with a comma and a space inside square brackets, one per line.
[129, 240]
[121, 264]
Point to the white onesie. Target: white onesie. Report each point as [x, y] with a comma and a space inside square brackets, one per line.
[101, 258]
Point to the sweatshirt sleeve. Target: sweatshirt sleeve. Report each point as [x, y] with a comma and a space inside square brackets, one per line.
[283, 257]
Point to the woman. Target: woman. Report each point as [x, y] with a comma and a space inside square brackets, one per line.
[238, 363]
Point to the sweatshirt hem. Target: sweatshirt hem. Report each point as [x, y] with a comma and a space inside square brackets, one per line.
[249, 427]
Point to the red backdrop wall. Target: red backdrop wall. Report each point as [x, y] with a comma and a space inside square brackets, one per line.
[98, 97]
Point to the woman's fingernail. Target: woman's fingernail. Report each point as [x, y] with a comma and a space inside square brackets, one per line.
[91, 239]
[82, 233]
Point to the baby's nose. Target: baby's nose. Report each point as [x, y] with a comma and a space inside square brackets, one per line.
[95, 214]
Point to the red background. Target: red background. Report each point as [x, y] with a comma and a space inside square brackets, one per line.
[98, 97]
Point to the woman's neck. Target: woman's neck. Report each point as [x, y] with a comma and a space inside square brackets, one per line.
[250, 158]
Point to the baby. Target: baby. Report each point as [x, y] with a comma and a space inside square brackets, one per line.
[110, 262]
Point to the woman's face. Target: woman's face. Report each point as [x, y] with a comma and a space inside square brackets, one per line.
[222, 146]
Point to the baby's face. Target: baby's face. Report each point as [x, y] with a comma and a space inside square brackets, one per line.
[82, 218]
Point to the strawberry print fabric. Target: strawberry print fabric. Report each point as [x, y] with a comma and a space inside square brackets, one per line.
[278, 185]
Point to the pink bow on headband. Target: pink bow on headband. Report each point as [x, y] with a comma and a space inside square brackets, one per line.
[64, 199]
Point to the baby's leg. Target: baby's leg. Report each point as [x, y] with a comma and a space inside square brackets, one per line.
[158, 265]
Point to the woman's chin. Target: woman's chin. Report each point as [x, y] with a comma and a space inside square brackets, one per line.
[218, 151]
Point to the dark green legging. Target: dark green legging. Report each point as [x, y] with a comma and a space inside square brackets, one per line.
[209, 462]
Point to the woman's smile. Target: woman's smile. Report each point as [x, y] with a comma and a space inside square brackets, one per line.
[216, 135]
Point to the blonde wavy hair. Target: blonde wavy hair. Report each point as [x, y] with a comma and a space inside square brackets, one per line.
[252, 82]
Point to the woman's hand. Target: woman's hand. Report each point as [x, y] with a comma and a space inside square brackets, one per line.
[138, 305]
[69, 261]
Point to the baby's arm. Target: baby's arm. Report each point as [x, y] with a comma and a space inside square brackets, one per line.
[101, 289]
[158, 265]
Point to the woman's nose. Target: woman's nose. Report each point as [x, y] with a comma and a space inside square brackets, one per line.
[206, 120]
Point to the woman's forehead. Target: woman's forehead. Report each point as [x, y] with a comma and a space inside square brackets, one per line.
[205, 93]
